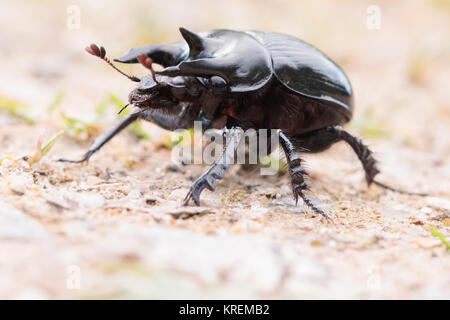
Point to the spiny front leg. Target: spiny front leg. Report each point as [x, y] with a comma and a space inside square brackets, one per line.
[206, 180]
[217, 171]
[297, 173]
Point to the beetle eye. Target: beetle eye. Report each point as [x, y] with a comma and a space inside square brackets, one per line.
[217, 82]
[178, 81]
[147, 83]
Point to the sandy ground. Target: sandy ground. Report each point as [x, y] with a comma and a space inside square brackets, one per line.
[115, 228]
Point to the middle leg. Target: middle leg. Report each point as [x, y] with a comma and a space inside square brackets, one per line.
[297, 173]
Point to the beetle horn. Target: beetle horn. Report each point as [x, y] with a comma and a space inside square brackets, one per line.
[195, 42]
[163, 54]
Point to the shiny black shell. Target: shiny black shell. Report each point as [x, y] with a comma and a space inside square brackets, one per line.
[247, 60]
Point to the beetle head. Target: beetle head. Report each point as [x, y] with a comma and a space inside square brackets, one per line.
[165, 91]
[154, 91]
[151, 94]
[159, 91]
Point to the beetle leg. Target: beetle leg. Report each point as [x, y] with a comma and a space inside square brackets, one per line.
[105, 137]
[166, 121]
[217, 171]
[362, 151]
[297, 173]
[366, 158]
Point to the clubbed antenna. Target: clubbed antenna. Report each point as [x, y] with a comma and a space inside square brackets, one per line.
[101, 52]
[148, 63]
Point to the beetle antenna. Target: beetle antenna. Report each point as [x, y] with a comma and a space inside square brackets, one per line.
[101, 53]
[148, 63]
[123, 108]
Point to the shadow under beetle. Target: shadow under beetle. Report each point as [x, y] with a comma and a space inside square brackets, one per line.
[248, 80]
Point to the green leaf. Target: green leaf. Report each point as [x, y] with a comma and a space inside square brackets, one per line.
[46, 148]
[118, 102]
[369, 124]
[74, 125]
[436, 233]
[100, 108]
[16, 109]
[5, 157]
[269, 160]
[56, 101]
[178, 137]
[139, 132]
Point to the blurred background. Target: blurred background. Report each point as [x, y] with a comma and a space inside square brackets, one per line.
[396, 54]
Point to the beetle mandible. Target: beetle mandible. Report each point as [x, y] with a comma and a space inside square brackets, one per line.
[248, 80]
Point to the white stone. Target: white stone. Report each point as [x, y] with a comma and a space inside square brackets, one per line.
[15, 224]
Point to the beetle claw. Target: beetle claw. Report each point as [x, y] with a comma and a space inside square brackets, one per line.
[85, 158]
[388, 187]
[72, 161]
[187, 198]
[206, 181]
[312, 206]
[193, 194]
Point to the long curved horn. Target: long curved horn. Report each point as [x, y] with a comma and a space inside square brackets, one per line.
[163, 54]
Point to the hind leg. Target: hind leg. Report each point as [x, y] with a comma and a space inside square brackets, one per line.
[322, 139]
[366, 158]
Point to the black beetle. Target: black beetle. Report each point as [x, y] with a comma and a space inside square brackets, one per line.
[250, 80]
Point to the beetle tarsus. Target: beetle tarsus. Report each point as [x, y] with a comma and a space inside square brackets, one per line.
[85, 158]
[311, 205]
[367, 160]
[207, 180]
[108, 135]
[297, 173]
[217, 171]
[388, 187]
